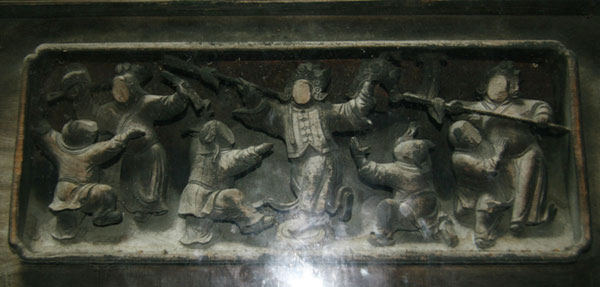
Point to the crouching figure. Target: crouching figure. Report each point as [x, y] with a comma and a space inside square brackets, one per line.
[78, 157]
[415, 205]
[209, 195]
[475, 162]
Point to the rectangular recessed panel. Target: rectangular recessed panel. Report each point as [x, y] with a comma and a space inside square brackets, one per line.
[201, 186]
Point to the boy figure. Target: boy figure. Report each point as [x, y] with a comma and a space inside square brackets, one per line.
[77, 157]
[209, 195]
[524, 165]
[475, 163]
[415, 204]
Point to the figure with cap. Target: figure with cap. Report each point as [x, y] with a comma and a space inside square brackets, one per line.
[78, 157]
[475, 163]
[306, 123]
[524, 165]
[143, 169]
[210, 194]
[415, 205]
[76, 88]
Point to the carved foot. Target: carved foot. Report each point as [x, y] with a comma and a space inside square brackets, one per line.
[63, 235]
[140, 217]
[196, 238]
[381, 240]
[447, 234]
[68, 225]
[304, 230]
[516, 227]
[483, 243]
[113, 217]
[264, 223]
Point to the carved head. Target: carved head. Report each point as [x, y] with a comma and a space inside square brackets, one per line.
[79, 134]
[463, 135]
[414, 152]
[501, 82]
[213, 136]
[308, 82]
[76, 81]
[129, 81]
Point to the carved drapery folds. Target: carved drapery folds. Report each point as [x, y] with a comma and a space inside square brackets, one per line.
[396, 150]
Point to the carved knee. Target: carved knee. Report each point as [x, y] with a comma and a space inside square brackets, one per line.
[230, 198]
[102, 194]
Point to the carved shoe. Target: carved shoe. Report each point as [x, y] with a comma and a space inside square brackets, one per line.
[109, 218]
[516, 227]
[196, 238]
[483, 243]
[264, 223]
[447, 234]
[381, 240]
[61, 234]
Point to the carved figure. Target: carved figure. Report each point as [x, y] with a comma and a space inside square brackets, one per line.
[77, 157]
[415, 205]
[209, 195]
[143, 169]
[523, 167]
[306, 125]
[75, 87]
[475, 164]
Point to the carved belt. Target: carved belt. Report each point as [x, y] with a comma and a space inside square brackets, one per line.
[202, 184]
[405, 195]
[71, 180]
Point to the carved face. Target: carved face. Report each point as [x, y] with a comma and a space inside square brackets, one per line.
[74, 91]
[301, 92]
[497, 88]
[471, 135]
[414, 152]
[120, 90]
[465, 135]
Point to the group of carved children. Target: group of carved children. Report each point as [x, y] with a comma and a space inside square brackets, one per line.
[497, 162]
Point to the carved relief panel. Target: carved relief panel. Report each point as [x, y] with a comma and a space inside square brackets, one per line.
[363, 151]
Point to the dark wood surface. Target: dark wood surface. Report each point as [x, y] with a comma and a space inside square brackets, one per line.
[53, 8]
[18, 37]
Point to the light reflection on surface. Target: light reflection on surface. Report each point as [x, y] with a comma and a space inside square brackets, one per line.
[298, 275]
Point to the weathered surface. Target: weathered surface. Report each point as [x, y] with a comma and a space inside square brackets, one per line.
[19, 37]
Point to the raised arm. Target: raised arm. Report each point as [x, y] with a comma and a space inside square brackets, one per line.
[238, 161]
[541, 112]
[103, 151]
[263, 114]
[47, 138]
[164, 107]
[352, 115]
[370, 171]
[470, 165]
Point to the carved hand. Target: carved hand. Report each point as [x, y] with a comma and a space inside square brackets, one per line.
[356, 149]
[454, 107]
[358, 153]
[134, 133]
[474, 119]
[207, 75]
[184, 87]
[250, 95]
[492, 171]
[500, 146]
[263, 148]
[542, 119]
